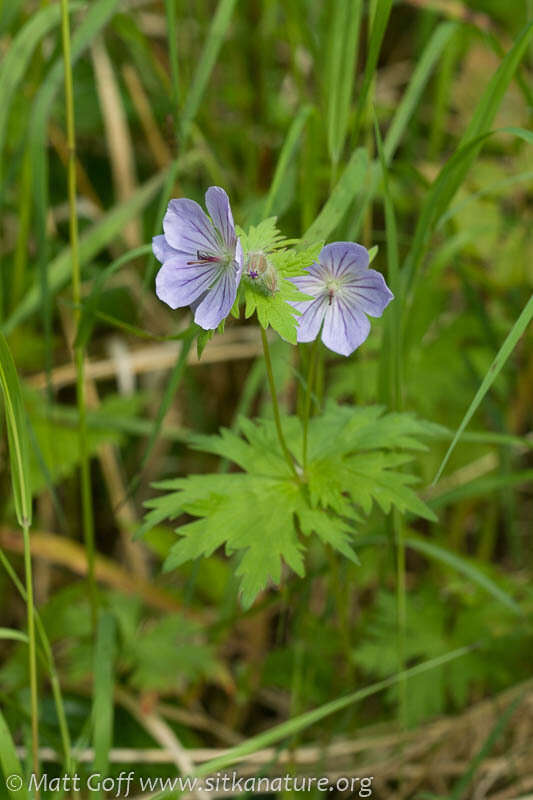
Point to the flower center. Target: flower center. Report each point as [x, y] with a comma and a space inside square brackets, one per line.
[208, 258]
[333, 285]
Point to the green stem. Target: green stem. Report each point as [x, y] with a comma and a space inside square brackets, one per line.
[275, 406]
[79, 355]
[49, 659]
[308, 394]
[401, 604]
[32, 652]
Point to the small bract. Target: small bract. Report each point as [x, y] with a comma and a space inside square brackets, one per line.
[202, 258]
[345, 291]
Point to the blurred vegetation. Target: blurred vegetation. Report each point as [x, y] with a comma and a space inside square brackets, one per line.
[169, 99]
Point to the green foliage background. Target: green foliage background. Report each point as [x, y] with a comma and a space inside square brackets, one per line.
[399, 125]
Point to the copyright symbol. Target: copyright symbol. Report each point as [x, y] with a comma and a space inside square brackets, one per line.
[14, 783]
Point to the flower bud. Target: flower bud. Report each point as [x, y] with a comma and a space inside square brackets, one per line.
[262, 272]
[257, 264]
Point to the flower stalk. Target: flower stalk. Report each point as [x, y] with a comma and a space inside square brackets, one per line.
[307, 402]
[275, 406]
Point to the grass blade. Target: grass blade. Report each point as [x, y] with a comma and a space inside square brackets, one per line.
[379, 25]
[17, 433]
[47, 651]
[91, 243]
[349, 184]
[13, 635]
[303, 721]
[404, 113]
[503, 354]
[293, 726]
[454, 171]
[285, 158]
[103, 705]
[17, 59]
[391, 362]
[215, 38]
[465, 567]
[497, 730]
[90, 304]
[343, 45]
[421, 75]
[170, 390]
[170, 11]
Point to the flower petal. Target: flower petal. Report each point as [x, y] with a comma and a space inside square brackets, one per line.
[161, 249]
[239, 259]
[188, 228]
[311, 282]
[311, 319]
[368, 292]
[178, 284]
[343, 258]
[344, 328]
[217, 202]
[218, 301]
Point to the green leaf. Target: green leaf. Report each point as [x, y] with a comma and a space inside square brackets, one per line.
[17, 434]
[204, 337]
[295, 261]
[9, 760]
[274, 310]
[273, 307]
[330, 529]
[57, 440]
[434, 625]
[495, 368]
[252, 515]
[265, 515]
[265, 236]
[170, 654]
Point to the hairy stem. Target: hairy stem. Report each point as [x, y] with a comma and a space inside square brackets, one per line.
[275, 406]
[79, 355]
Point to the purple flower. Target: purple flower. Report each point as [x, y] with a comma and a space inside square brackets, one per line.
[345, 290]
[202, 258]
